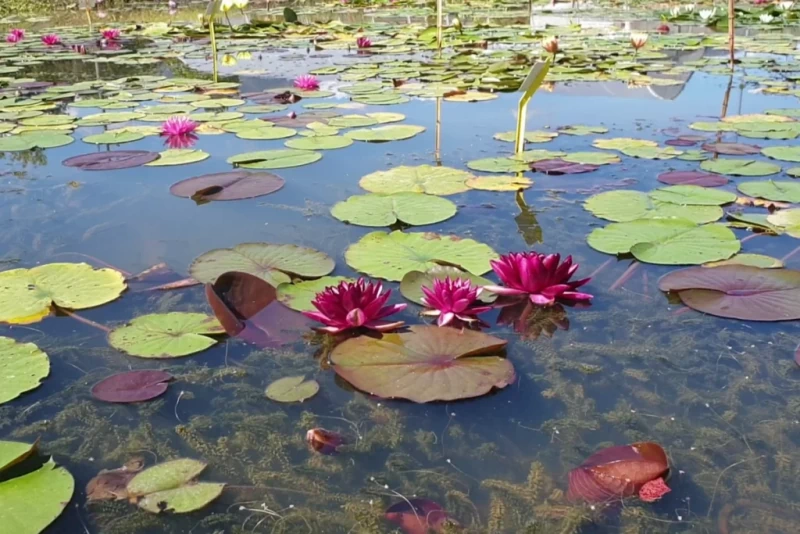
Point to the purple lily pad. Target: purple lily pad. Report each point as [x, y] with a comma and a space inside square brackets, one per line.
[558, 166]
[680, 142]
[693, 137]
[417, 516]
[703, 179]
[109, 161]
[132, 386]
[227, 186]
[732, 149]
[738, 291]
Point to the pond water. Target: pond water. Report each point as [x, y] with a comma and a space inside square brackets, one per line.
[720, 395]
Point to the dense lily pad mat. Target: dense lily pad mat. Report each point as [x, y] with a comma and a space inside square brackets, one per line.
[22, 367]
[26, 295]
[166, 335]
[424, 365]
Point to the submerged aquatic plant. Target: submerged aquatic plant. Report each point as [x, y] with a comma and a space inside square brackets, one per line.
[15, 35]
[51, 39]
[543, 278]
[306, 82]
[550, 45]
[452, 299]
[353, 305]
[363, 42]
[111, 34]
[178, 125]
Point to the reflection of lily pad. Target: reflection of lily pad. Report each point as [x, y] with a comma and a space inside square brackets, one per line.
[22, 367]
[392, 255]
[27, 294]
[292, 389]
[384, 210]
[419, 179]
[411, 285]
[424, 365]
[782, 191]
[740, 167]
[298, 296]
[166, 335]
[273, 263]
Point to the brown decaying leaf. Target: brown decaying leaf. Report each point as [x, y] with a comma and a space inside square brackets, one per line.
[110, 485]
[418, 516]
[761, 203]
[324, 441]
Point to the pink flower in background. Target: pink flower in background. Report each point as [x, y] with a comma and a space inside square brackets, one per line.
[178, 125]
[543, 278]
[353, 305]
[111, 34]
[15, 35]
[452, 299]
[654, 490]
[181, 141]
[306, 82]
[11, 38]
[363, 42]
[51, 39]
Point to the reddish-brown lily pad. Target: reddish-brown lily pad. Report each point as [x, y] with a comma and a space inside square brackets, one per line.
[109, 161]
[738, 291]
[617, 472]
[132, 386]
[426, 364]
[559, 166]
[417, 516]
[680, 142]
[234, 185]
[703, 179]
[732, 149]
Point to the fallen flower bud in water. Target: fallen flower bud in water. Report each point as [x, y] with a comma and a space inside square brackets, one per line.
[324, 441]
[654, 490]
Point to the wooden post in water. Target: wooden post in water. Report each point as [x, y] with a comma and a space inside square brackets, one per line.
[732, 30]
[532, 82]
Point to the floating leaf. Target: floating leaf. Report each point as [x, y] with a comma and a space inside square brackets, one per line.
[424, 365]
[623, 206]
[622, 143]
[558, 167]
[22, 368]
[411, 285]
[112, 485]
[324, 441]
[292, 389]
[392, 255]
[166, 335]
[382, 134]
[537, 136]
[385, 210]
[275, 159]
[384, 117]
[266, 133]
[108, 161]
[298, 296]
[178, 156]
[702, 179]
[30, 502]
[617, 472]
[273, 263]
[740, 167]
[783, 153]
[497, 165]
[419, 179]
[227, 186]
[113, 137]
[352, 121]
[531, 156]
[666, 241]
[772, 190]
[754, 260]
[591, 158]
[583, 130]
[789, 220]
[470, 96]
[693, 195]
[732, 149]
[169, 487]
[738, 291]
[320, 142]
[648, 152]
[499, 183]
[27, 294]
[132, 386]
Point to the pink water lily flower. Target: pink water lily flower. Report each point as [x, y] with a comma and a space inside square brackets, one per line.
[353, 305]
[178, 125]
[15, 35]
[363, 42]
[111, 34]
[452, 299]
[542, 277]
[51, 39]
[306, 82]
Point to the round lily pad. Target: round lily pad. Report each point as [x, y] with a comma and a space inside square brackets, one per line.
[32, 501]
[558, 166]
[382, 134]
[48, 139]
[16, 143]
[651, 152]
[275, 159]
[693, 195]
[583, 130]
[537, 136]
[266, 133]
[22, 368]
[789, 220]
[108, 161]
[384, 117]
[178, 156]
[170, 487]
[132, 386]
[26, 295]
[781, 191]
[471, 96]
[740, 167]
[298, 296]
[497, 165]
[419, 179]
[623, 206]
[166, 335]
[273, 263]
[416, 209]
[531, 156]
[783, 153]
[391, 255]
[622, 143]
[292, 389]
[228, 185]
[352, 121]
[319, 142]
[113, 137]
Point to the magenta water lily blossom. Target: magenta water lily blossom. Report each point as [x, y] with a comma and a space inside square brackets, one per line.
[544, 278]
[452, 299]
[51, 39]
[15, 35]
[363, 42]
[111, 34]
[178, 125]
[353, 305]
[306, 82]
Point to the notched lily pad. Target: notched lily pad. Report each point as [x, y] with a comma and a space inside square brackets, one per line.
[292, 389]
[166, 335]
[234, 185]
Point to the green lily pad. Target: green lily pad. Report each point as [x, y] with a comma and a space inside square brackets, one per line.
[263, 108]
[26, 295]
[694, 155]
[583, 130]
[391, 255]
[275, 159]
[754, 260]
[273, 263]
[471, 96]
[298, 296]
[292, 389]
[16, 143]
[169, 487]
[384, 117]
[740, 167]
[113, 137]
[22, 367]
[217, 103]
[624, 206]
[352, 121]
[416, 209]
[498, 165]
[789, 220]
[381, 99]
[652, 152]
[782, 191]
[783, 153]
[100, 119]
[166, 335]
[178, 156]
[47, 120]
[48, 490]
[48, 139]
[266, 133]
[383, 134]
[693, 195]
[666, 241]
[412, 282]
[532, 156]
[591, 158]
[537, 136]
[419, 179]
[320, 142]
[499, 183]
[622, 143]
